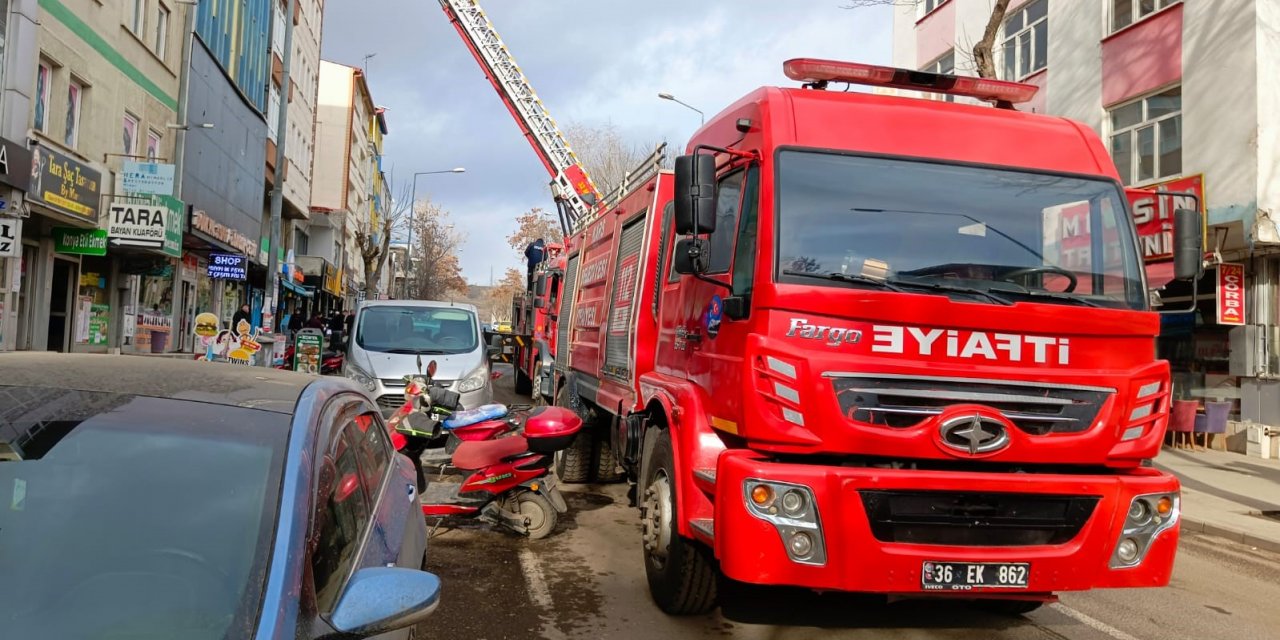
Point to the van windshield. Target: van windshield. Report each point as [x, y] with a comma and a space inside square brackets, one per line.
[997, 235]
[416, 330]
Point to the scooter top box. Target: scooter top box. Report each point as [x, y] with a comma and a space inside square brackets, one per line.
[550, 429]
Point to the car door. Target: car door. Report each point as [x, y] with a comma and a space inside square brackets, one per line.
[365, 508]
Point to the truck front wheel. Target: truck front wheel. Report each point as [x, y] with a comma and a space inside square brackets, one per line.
[681, 573]
[573, 465]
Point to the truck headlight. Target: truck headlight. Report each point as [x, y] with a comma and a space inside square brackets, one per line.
[474, 381]
[1147, 517]
[363, 379]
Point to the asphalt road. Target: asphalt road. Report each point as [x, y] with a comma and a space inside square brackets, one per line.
[587, 581]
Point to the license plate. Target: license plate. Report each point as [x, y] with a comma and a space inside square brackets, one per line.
[964, 576]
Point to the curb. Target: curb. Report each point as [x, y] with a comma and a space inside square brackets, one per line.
[1195, 525]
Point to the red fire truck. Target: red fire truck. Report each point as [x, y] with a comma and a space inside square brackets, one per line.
[870, 343]
[532, 339]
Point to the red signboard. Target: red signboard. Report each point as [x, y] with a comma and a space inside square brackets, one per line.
[1153, 215]
[1230, 293]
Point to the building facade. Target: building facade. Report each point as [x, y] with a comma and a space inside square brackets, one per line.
[1179, 92]
[18, 55]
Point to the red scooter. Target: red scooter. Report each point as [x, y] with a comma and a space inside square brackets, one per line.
[507, 480]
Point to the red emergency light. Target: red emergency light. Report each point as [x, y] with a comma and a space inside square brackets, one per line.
[818, 73]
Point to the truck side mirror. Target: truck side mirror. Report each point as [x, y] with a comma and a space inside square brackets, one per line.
[695, 194]
[539, 303]
[540, 285]
[1188, 244]
[691, 255]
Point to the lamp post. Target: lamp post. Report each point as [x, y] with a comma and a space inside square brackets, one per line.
[413, 203]
[667, 96]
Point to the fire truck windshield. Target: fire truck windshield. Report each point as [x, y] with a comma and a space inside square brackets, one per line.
[977, 231]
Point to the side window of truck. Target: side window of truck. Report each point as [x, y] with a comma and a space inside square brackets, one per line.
[728, 203]
[668, 221]
[744, 252]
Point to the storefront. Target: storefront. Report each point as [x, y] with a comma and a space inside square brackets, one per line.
[325, 279]
[68, 288]
[144, 231]
[223, 269]
[15, 176]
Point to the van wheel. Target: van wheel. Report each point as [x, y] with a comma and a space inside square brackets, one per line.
[573, 464]
[682, 574]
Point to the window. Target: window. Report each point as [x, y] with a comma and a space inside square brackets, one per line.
[375, 450]
[130, 134]
[1127, 12]
[340, 521]
[4, 29]
[728, 201]
[1146, 137]
[75, 94]
[44, 77]
[153, 145]
[927, 6]
[162, 31]
[139, 21]
[946, 64]
[744, 254]
[1026, 40]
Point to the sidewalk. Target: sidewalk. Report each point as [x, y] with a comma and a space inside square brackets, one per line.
[1224, 494]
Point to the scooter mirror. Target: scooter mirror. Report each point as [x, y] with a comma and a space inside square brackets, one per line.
[431, 369]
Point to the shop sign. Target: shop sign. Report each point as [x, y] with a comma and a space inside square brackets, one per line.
[1230, 293]
[63, 184]
[306, 350]
[1153, 215]
[332, 280]
[227, 266]
[137, 225]
[15, 164]
[10, 237]
[85, 242]
[147, 177]
[173, 223]
[204, 223]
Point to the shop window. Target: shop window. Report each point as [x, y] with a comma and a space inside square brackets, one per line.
[1026, 40]
[130, 134]
[161, 41]
[75, 95]
[1146, 137]
[1127, 12]
[44, 78]
[945, 65]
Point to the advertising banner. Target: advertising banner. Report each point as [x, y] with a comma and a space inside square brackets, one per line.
[137, 225]
[85, 242]
[1153, 215]
[227, 266]
[147, 177]
[63, 184]
[306, 350]
[10, 237]
[1230, 293]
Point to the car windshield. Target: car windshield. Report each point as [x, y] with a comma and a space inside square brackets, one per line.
[413, 329]
[134, 517]
[992, 235]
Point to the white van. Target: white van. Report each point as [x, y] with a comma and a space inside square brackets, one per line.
[388, 336]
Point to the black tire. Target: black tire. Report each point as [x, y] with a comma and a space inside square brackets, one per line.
[573, 464]
[542, 516]
[524, 384]
[682, 581]
[1008, 607]
[605, 469]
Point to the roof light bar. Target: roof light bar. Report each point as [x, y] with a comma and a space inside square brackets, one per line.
[818, 73]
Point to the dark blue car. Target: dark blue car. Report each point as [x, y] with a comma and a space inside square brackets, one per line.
[144, 498]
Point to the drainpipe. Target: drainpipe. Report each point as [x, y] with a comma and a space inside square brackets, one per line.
[176, 338]
[277, 190]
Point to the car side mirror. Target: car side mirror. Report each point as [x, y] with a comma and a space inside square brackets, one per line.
[695, 194]
[382, 599]
[1188, 244]
[431, 369]
[691, 256]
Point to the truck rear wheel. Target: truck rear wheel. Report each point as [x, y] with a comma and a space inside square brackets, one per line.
[606, 465]
[573, 465]
[682, 574]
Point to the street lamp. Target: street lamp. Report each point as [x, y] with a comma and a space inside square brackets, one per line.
[667, 96]
[413, 202]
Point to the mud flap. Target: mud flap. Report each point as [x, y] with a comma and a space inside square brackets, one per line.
[548, 487]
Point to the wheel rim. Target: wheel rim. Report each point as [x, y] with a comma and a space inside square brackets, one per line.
[657, 518]
[537, 390]
[534, 512]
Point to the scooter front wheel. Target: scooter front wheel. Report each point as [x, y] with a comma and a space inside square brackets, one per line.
[542, 517]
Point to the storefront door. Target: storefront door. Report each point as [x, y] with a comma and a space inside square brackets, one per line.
[26, 310]
[61, 314]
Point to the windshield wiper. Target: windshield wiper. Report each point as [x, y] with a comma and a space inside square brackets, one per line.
[846, 277]
[1053, 295]
[955, 288]
[415, 352]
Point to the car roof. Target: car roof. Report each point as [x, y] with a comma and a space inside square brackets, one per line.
[158, 377]
[419, 303]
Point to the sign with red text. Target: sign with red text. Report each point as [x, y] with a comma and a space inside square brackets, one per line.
[1230, 293]
[1153, 215]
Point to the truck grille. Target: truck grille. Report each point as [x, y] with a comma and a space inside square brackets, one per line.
[900, 402]
[975, 519]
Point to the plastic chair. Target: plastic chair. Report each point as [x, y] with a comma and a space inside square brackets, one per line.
[1182, 421]
[1213, 422]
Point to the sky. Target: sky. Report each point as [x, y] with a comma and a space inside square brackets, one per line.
[593, 62]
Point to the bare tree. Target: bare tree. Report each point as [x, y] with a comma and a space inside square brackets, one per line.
[604, 153]
[983, 50]
[436, 273]
[534, 224]
[374, 244]
[501, 294]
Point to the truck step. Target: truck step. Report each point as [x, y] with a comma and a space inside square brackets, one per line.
[705, 479]
[704, 529]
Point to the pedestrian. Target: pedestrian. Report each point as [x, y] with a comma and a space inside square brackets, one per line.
[241, 314]
[350, 320]
[335, 330]
[316, 322]
[534, 254]
[295, 322]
